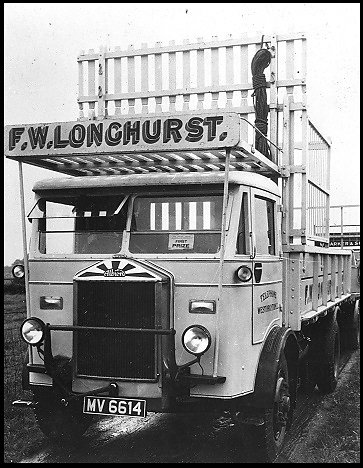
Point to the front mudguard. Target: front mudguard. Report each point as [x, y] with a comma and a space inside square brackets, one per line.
[280, 340]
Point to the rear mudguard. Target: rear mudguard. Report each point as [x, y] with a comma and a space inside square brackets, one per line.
[280, 340]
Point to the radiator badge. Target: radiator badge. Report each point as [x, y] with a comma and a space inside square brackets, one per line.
[114, 273]
[125, 269]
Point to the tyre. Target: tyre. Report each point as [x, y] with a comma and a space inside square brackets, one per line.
[57, 422]
[308, 377]
[327, 354]
[352, 328]
[267, 439]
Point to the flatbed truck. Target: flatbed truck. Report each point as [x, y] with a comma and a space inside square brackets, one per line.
[177, 268]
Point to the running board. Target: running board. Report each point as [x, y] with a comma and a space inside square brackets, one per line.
[202, 379]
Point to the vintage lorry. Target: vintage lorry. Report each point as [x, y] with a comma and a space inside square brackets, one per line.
[179, 268]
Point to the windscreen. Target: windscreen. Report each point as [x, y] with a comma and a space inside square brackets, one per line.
[81, 225]
[174, 224]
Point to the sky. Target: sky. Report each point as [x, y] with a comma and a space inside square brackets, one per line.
[43, 40]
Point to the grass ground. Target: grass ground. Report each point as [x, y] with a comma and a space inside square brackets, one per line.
[333, 435]
[20, 429]
[21, 434]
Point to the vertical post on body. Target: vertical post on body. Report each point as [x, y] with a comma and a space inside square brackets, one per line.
[221, 260]
[23, 226]
[341, 227]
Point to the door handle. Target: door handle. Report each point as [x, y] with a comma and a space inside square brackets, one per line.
[253, 249]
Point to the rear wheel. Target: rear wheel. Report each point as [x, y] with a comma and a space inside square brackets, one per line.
[308, 376]
[56, 421]
[268, 437]
[351, 327]
[327, 349]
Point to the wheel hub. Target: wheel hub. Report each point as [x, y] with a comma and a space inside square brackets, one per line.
[282, 406]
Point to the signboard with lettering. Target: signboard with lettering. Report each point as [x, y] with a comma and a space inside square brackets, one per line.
[180, 133]
[348, 240]
[181, 241]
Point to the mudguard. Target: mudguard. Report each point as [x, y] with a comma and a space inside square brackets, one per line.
[279, 340]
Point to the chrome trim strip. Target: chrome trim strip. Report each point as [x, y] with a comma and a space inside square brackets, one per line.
[228, 285]
[51, 282]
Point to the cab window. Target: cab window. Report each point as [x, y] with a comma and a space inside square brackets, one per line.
[243, 231]
[174, 224]
[264, 226]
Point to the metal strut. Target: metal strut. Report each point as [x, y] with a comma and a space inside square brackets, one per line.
[23, 226]
[221, 260]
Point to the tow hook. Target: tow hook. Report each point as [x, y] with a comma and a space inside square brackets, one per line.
[112, 390]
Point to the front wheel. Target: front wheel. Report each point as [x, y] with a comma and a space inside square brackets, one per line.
[268, 437]
[57, 422]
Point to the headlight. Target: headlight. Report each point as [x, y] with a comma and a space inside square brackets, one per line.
[18, 271]
[244, 273]
[196, 339]
[32, 331]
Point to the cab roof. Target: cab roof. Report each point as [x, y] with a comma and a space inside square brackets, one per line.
[157, 179]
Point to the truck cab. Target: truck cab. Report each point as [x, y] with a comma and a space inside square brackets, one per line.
[130, 237]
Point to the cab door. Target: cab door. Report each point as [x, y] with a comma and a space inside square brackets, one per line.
[266, 264]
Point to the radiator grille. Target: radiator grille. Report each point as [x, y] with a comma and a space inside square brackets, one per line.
[116, 354]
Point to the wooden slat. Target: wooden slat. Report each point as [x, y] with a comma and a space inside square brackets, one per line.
[316, 270]
[200, 75]
[181, 91]
[131, 81]
[172, 79]
[229, 74]
[91, 84]
[80, 87]
[244, 79]
[186, 77]
[101, 83]
[340, 278]
[290, 62]
[145, 82]
[131, 73]
[117, 84]
[326, 262]
[158, 80]
[333, 276]
[215, 76]
[195, 46]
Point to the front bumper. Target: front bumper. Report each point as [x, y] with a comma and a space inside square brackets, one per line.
[175, 381]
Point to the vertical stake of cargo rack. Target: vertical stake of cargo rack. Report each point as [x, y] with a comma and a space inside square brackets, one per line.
[221, 260]
[23, 225]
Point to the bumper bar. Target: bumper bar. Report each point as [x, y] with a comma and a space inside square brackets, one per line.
[156, 331]
[176, 380]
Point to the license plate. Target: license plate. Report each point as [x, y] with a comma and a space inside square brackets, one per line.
[114, 406]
